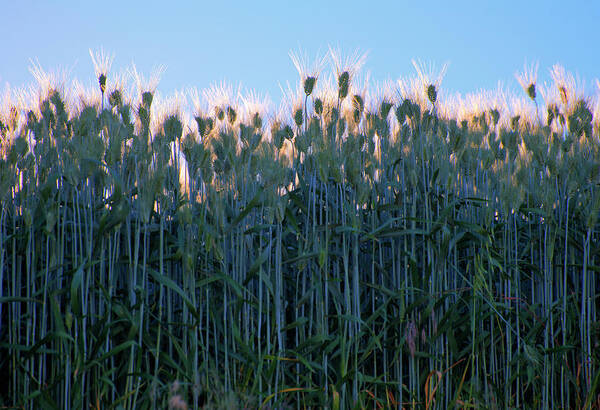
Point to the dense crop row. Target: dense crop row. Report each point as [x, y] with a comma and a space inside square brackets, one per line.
[357, 248]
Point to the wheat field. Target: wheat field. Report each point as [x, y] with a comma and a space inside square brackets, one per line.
[361, 246]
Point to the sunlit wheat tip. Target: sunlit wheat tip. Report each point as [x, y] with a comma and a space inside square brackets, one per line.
[528, 78]
[102, 63]
[221, 98]
[48, 81]
[292, 105]
[345, 69]
[255, 108]
[101, 60]
[309, 74]
[117, 92]
[147, 86]
[570, 88]
[85, 95]
[430, 78]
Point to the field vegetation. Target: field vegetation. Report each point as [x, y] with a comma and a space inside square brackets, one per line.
[369, 246]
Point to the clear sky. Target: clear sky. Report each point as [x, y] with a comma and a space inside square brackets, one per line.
[248, 41]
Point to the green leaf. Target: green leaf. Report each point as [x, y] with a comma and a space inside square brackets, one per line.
[170, 284]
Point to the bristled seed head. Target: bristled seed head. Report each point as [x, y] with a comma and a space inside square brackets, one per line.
[277, 134]
[102, 63]
[345, 69]
[147, 97]
[495, 114]
[201, 125]
[102, 82]
[531, 91]
[257, 121]
[288, 132]
[231, 115]
[528, 78]
[564, 97]
[146, 86]
[343, 85]
[430, 78]
[144, 115]
[210, 124]
[431, 93]
[298, 117]
[384, 109]
[31, 120]
[308, 74]
[48, 81]
[318, 106]
[254, 108]
[219, 113]
[514, 122]
[115, 99]
[569, 87]
[309, 85]
[173, 127]
[358, 102]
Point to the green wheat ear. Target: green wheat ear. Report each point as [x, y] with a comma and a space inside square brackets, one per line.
[514, 122]
[343, 85]
[564, 96]
[102, 82]
[298, 117]
[201, 122]
[288, 132]
[144, 116]
[495, 114]
[257, 121]
[31, 120]
[431, 93]
[309, 85]
[173, 128]
[531, 91]
[358, 102]
[147, 97]
[553, 113]
[318, 106]
[102, 63]
[219, 113]
[231, 115]
[384, 109]
[115, 99]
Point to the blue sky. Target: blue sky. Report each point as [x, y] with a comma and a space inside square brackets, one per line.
[205, 42]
